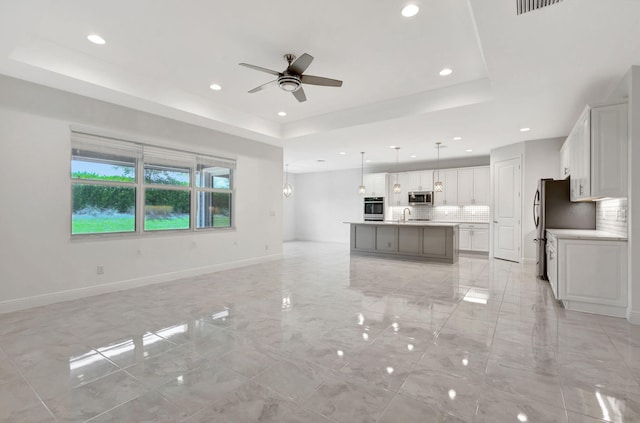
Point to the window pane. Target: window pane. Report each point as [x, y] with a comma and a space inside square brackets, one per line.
[214, 210]
[103, 209]
[102, 167]
[213, 177]
[166, 175]
[166, 209]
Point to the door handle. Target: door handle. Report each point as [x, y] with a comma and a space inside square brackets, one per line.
[495, 221]
[536, 202]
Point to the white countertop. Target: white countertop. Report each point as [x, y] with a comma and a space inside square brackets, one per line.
[585, 234]
[408, 223]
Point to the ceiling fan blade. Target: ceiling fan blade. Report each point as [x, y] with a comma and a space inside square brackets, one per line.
[319, 80]
[299, 95]
[263, 86]
[258, 68]
[300, 64]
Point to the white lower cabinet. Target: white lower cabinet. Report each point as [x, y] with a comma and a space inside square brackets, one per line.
[474, 237]
[552, 263]
[591, 275]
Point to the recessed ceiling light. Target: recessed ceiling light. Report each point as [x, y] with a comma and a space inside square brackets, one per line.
[413, 156]
[96, 39]
[469, 150]
[342, 153]
[215, 87]
[457, 138]
[410, 10]
[446, 72]
[392, 146]
[368, 161]
[282, 114]
[525, 129]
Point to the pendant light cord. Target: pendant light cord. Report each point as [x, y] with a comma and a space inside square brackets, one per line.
[362, 169]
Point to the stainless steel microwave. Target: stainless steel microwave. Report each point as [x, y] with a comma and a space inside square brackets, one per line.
[417, 198]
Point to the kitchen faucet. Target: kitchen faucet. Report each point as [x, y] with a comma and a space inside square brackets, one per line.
[404, 216]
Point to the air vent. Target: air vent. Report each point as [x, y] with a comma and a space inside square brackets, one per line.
[525, 6]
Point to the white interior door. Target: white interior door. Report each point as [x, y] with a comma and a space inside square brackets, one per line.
[506, 210]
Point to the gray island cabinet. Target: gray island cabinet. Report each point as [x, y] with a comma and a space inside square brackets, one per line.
[429, 241]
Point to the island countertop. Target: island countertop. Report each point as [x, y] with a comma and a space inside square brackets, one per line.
[408, 223]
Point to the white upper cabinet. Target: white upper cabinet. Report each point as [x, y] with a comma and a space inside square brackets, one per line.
[449, 194]
[481, 185]
[473, 186]
[598, 153]
[565, 152]
[409, 182]
[609, 151]
[375, 185]
[404, 179]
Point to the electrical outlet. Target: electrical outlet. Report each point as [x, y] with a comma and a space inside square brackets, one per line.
[100, 270]
[266, 246]
[623, 215]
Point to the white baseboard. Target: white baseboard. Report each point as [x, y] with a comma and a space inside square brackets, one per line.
[74, 294]
[633, 317]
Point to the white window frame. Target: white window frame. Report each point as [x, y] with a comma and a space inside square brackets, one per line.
[153, 155]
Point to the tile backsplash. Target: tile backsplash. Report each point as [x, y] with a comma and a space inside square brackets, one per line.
[611, 216]
[444, 213]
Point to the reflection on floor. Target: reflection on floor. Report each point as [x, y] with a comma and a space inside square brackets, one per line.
[323, 337]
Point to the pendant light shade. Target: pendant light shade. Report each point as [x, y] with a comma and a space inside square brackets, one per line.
[397, 189]
[362, 189]
[438, 186]
[287, 189]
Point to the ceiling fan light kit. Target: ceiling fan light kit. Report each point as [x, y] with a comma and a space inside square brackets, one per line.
[292, 78]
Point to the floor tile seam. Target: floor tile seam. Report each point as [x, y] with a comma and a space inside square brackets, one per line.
[117, 405]
[622, 356]
[285, 396]
[31, 387]
[527, 397]
[189, 413]
[436, 405]
[174, 403]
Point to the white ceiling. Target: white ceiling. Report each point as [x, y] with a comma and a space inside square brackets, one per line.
[536, 70]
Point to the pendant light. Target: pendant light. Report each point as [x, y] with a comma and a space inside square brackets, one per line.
[362, 190]
[396, 187]
[287, 189]
[437, 186]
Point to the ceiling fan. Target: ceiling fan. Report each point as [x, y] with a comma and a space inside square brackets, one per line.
[292, 78]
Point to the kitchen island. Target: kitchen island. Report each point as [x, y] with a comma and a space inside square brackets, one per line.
[428, 241]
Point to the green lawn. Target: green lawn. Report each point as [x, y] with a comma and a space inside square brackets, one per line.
[90, 224]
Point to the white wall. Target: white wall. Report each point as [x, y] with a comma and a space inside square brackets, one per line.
[323, 201]
[289, 212]
[630, 87]
[539, 159]
[633, 312]
[40, 263]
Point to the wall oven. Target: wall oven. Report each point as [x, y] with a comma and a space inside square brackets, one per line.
[374, 209]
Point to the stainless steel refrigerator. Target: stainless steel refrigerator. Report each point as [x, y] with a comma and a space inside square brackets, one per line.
[553, 209]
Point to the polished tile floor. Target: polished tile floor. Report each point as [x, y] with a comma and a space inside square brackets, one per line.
[322, 337]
